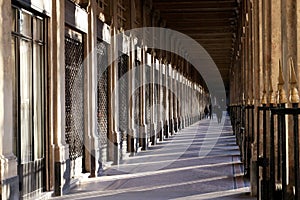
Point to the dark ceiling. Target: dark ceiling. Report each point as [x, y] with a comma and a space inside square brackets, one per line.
[212, 23]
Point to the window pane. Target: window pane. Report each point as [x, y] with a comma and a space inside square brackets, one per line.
[15, 102]
[25, 101]
[38, 101]
[38, 29]
[13, 22]
[25, 24]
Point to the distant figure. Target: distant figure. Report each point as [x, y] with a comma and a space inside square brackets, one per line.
[219, 114]
[206, 112]
[210, 112]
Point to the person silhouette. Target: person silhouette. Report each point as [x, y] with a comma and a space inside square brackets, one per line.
[219, 114]
[206, 112]
[210, 112]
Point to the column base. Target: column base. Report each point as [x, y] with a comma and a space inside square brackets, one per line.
[153, 134]
[179, 123]
[143, 137]
[124, 146]
[131, 141]
[160, 130]
[96, 169]
[92, 155]
[62, 177]
[62, 170]
[114, 147]
[171, 126]
[9, 187]
[253, 178]
[176, 125]
[185, 122]
[166, 129]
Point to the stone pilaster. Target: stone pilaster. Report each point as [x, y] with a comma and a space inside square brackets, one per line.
[191, 102]
[166, 100]
[161, 102]
[184, 101]
[175, 100]
[60, 150]
[132, 134]
[289, 50]
[153, 123]
[256, 94]
[171, 104]
[92, 148]
[143, 125]
[9, 182]
[187, 102]
[180, 103]
[114, 136]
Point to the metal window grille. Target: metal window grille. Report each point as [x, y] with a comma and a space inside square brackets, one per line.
[102, 93]
[123, 95]
[74, 96]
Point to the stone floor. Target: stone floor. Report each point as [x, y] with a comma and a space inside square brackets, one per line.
[200, 162]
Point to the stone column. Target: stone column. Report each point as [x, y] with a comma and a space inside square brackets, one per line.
[166, 100]
[132, 134]
[184, 101]
[61, 159]
[92, 153]
[157, 104]
[175, 100]
[143, 125]
[184, 124]
[151, 108]
[275, 53]
[289, 44]
[190, 107]
[114, 137]
[180, 103]
[171, 94]
[9, 182]
[187, 102]
[161, 101]
[256, 94]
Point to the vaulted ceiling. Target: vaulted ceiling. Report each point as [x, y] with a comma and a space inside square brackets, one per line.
[212, 23]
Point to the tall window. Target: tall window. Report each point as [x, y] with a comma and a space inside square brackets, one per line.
[28, 50]
[120, 13]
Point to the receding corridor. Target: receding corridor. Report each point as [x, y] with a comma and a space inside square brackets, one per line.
[176, 168]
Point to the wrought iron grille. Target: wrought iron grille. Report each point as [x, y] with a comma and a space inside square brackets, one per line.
[278, 166]
[74, 91]
[102, 93]
[123, 95]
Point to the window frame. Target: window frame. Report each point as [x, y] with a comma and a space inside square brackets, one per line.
[38, 83]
